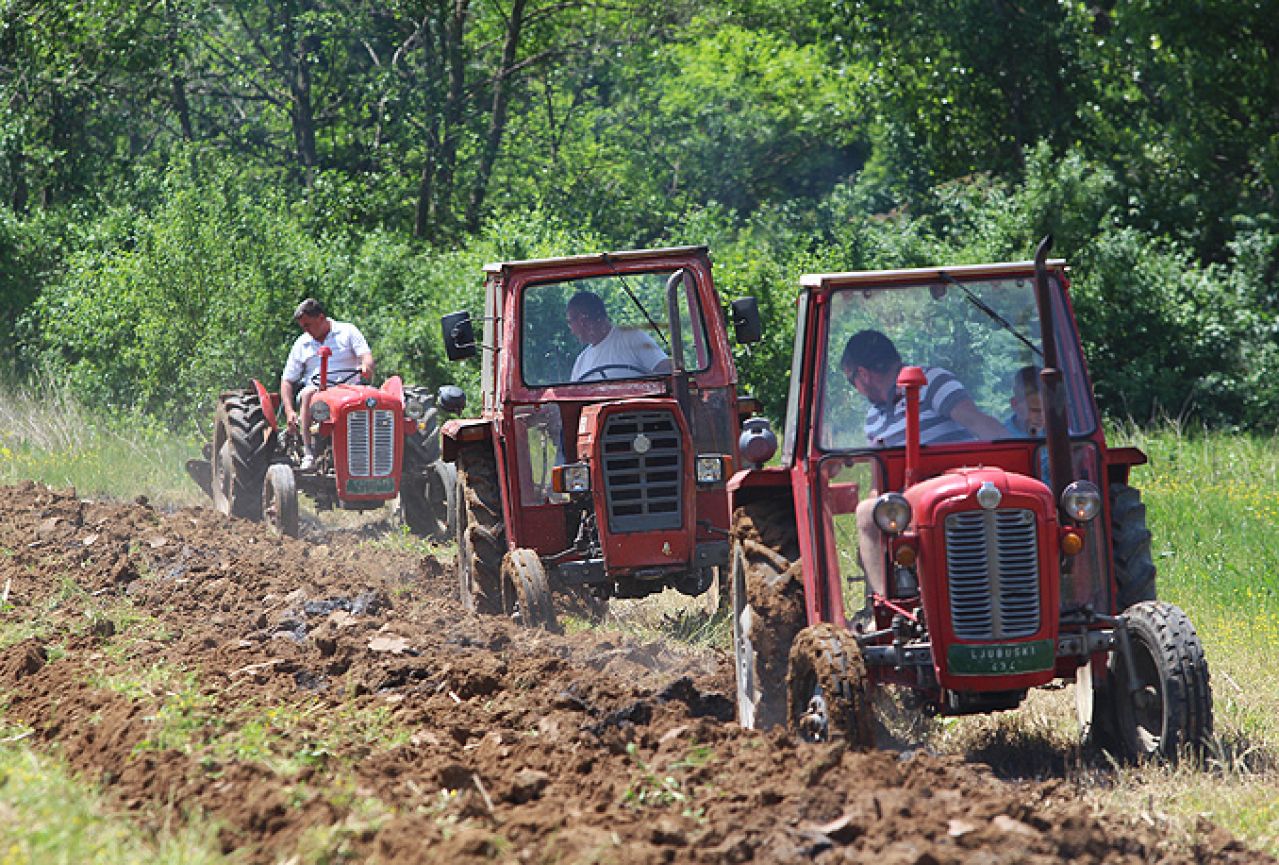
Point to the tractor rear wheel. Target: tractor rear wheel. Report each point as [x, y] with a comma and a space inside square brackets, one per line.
[1130, 539]
[481, 534]
[826, 687]
[242, 446]
[280, 500]
[526, 591]
[1168, 706]
[768, 608]
[426, 499]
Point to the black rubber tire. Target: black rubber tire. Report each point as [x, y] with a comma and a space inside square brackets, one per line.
[427, 499]
[481, 532]
[280, 500]
[526, 591]
[767, 592]
[423, 447]
[826, 663]
[1130, 541]
[242, 448]
[1172, 710]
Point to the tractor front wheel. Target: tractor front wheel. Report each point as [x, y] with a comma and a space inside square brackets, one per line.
[1158, 701]
[242, 446]
[826, 687]
[481, 534]
[768, 609]
[526, 591]
[280, 500]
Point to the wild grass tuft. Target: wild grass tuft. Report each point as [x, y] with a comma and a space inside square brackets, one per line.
[48, 436]
[50, 816]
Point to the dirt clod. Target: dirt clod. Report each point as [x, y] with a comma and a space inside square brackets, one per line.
[293, 691]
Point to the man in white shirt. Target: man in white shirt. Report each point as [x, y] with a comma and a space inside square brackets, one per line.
[350, 352]
[611, 352]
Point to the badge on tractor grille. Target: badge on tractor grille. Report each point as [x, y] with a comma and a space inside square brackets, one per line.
[370, 486]
[641, 444]
[994, 659]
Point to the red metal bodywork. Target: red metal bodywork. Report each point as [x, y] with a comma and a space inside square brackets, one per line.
[584, 406]
[937, 481]
[342, 399]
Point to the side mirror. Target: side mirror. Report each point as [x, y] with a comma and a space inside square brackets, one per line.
[459, 335]
[451, 398]
[746, 324]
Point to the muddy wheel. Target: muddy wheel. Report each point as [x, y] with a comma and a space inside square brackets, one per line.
[767, 597]
[826, 687]
[280, 500]
[526, 591]
[426, 502]
[1134, 568]
[1168, 707]
[423, 447]
[242, 446]
[481, 534]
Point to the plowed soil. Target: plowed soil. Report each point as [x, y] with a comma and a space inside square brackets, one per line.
[417, 732]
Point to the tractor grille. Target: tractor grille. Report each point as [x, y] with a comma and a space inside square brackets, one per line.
[993, 561]
[377, 460]
[643, 488]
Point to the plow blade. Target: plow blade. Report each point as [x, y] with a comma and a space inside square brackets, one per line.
[201, 471]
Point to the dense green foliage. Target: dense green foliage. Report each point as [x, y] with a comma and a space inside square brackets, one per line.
[175, 176]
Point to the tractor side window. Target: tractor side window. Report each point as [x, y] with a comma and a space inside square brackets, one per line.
[846, 483]
[539, 438]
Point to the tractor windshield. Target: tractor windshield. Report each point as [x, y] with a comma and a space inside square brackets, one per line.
[608, 328]
[979, 344]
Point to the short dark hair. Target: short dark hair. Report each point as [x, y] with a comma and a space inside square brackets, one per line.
[310, 306]
[872, 350]
[1026, 380]
[589, 304]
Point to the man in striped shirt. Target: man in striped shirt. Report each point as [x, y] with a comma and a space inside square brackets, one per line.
[946, 412]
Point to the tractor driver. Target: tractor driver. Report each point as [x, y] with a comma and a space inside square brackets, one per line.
[350, 352]
[947, 413]
[610, 352]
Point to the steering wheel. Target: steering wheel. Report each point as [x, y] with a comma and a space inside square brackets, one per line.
[602, 368]
[347, 376]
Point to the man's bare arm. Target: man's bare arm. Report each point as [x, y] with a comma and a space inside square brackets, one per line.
[977, 422]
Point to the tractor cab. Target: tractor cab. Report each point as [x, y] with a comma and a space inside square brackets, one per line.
[609, 426]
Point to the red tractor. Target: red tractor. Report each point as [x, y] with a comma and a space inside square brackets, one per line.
[608, 431]
[373, 446]
[986, 563]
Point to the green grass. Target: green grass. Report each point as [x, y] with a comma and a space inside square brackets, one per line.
[46, 815]
[46, 435]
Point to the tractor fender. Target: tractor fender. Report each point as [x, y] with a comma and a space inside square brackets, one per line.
[457, 431]
[1119, 461]
[749, 485]
[270, 403]
[394, 387]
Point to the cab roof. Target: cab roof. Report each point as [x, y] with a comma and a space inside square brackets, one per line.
[595, 258]
[922, 274]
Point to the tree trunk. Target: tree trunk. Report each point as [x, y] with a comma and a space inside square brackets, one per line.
[497, 117]
[297, 54]
[440, 203]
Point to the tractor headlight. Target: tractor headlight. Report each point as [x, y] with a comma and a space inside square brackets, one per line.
[710, 470]
[320, 411]
[892, 513]
[415, 407]
[1081, 500]
[572, 478]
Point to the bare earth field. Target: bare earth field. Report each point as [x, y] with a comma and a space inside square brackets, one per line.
[332, 696]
